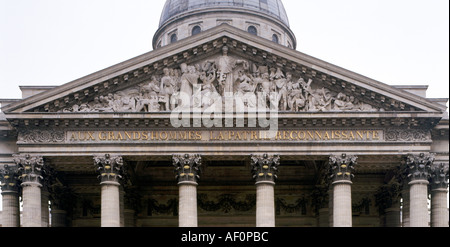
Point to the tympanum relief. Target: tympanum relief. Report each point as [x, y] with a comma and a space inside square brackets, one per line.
[203, 84]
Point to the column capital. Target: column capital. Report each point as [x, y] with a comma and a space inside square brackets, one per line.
[341, 168]
[418, 167]
[187, 168]
[265, 168]
[439, 176]
[109, 167]
[9, 179]
[30, 169]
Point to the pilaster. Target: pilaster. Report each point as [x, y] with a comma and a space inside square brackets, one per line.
[265, 174]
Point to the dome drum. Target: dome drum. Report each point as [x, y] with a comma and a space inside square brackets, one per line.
[180, 17]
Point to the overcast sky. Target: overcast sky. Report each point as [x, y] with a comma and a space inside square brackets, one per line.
[52, 42]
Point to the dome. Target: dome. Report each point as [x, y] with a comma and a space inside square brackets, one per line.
[181, 19]
[175, 8]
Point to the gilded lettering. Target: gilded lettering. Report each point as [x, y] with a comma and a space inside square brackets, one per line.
[102, 136]
[74, 137]
[163, 135]
[375, 135]
[318, 134]
[91, 136]
[136, 135]
[301, 135]
[326, 136]
[144, 136]
[198, 134]
[292, 135]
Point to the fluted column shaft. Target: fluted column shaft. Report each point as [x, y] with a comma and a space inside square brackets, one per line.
[341, 173]
[439, 193]
[11, 210]
[265, 204]
[10, 196]
[110, 208]
[45, 214]
[439, 211]
[32, 205]
[418, 208]
[418, 168]
[187, 170]
[265, 173]
[342, 204]
[110, 169]
[30, 169]
[187, 204]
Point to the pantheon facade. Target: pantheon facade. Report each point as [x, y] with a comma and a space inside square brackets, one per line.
[224, 124]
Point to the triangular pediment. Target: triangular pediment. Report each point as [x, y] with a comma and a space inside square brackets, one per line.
[251, 65]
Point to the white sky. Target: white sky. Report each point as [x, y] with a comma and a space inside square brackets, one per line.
[52, 42]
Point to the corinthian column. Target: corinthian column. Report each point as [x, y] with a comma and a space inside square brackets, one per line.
[10, 194]
[30, 169]
[187, 170]
[439, 191]
[341, 169]
[418, 168]
[109, 168]
[264, 171]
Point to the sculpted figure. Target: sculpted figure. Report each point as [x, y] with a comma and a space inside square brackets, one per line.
[281, 85]
[306, 87]
[167, 89]
[297, 101]
[149, 91]
[225, 66]
[189, 79]
[209, 91]
[320, 101]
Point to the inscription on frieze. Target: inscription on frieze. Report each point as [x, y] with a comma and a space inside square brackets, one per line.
[317, 135]
[226, 135]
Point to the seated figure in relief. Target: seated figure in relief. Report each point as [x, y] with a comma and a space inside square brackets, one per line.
[148, 93]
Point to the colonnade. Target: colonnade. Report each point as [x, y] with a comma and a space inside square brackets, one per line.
[27, 176]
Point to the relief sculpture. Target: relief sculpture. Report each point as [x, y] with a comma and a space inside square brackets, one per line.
[200, 85]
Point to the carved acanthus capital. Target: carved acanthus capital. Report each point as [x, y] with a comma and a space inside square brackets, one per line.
[418, 167]
[342, 167]
[187, 167]
[9, 178]
[109, 167]
[439, 176]
[30, 169]
[265, 167]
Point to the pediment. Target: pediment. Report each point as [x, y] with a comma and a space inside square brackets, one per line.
[198, 65]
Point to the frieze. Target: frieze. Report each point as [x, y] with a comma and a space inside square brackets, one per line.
[299, 135]
[41, 136]
[408, 135]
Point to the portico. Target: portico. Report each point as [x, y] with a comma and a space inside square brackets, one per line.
[311, 144]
